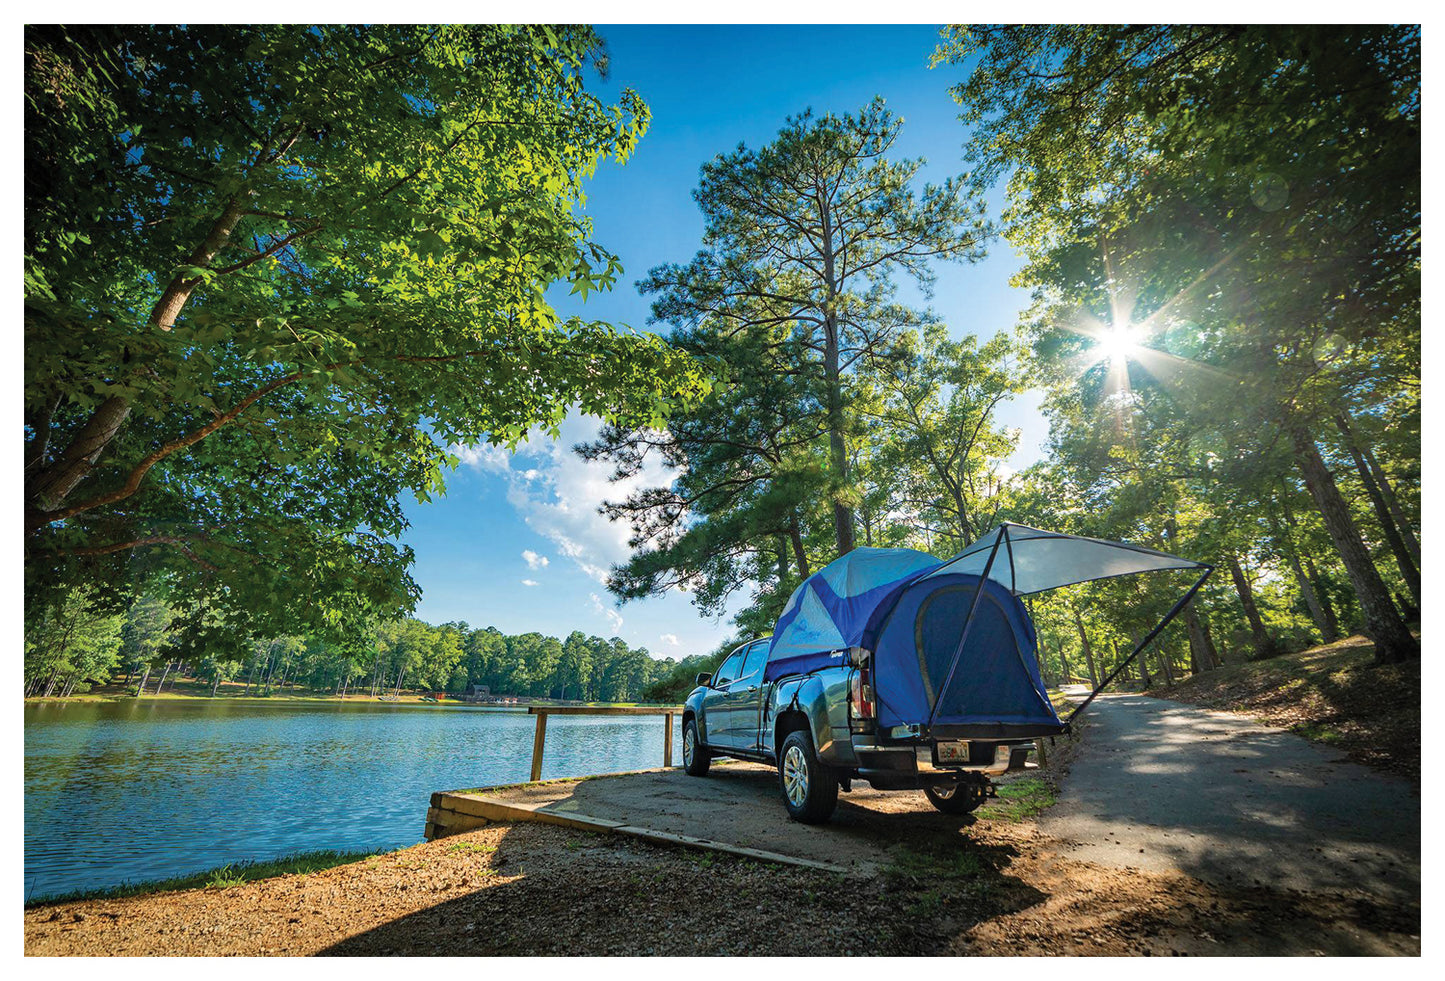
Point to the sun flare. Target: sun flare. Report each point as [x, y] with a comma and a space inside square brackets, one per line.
[1118, 344]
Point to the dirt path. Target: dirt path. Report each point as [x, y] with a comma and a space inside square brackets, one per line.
[1163, 786]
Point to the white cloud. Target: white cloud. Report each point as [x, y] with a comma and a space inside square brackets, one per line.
[558, 494]
[485, 457]
[533, 560]
[530, 582]
[669, 639]
[614, 619]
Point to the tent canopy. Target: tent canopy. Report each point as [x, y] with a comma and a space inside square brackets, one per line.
[847, 603]
[1031, 560]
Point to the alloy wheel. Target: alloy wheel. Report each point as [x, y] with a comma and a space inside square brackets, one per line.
[795, 776]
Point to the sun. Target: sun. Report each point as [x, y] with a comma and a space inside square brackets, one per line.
[1118, 344]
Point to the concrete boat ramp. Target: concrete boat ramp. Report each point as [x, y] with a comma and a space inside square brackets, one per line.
[737, 808]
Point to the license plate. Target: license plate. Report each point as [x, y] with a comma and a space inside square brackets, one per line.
[952, 752]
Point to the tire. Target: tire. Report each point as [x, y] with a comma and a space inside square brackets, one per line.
[810, 788]
[963, 796]
[695, 756]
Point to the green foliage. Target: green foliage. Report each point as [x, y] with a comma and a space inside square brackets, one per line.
[71, 645]
[395, 656]
[792, 302]
[1241, 206]
[273, 275]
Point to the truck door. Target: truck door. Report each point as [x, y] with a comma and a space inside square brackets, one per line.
[744, 699]
[716, 707]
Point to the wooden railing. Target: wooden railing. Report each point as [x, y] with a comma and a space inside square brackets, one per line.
[542, 711]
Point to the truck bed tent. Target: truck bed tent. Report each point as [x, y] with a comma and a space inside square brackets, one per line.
[945, 652]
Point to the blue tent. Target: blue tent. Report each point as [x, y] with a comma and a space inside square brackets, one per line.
[834, 608]
[946, 652]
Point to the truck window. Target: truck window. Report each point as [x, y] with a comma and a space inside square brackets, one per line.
[753, 663]
[729, 669]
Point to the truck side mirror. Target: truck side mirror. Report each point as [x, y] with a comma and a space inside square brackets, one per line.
[703, 679]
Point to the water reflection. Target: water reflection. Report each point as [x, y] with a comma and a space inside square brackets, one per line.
[125, 791]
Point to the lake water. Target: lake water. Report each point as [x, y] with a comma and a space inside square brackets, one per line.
[133, 790]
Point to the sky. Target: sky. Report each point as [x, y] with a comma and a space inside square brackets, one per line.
[517, 542]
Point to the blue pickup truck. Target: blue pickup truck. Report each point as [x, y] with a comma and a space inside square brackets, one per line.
[902, 670]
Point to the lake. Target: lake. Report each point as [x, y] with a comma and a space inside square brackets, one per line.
[134, 790]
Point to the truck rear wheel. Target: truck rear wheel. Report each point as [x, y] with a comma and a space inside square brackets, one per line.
[962, 796]
[695, 757]
[810, 788]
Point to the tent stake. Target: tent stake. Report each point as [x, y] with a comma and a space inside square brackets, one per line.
[1138, 649]
[968, 622]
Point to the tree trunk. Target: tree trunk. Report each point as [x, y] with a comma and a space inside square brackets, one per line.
[1393, 640]
[795, 535]
[837, 447]
[1199, 651]
[1307, 590]
[1264, 645]
[1144, 677]
[1219, 658]
[1164, 662]
[50, 685]
[1322, 594]
[1088, 650]
[140, 688]
[216, 684]
[163, 677]
[52, 485]
[1408, 569]
[1402, 522]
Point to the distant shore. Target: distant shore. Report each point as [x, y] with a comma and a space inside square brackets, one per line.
[188, 690]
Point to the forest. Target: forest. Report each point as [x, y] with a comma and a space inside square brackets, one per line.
[144, 646]
[263, 304]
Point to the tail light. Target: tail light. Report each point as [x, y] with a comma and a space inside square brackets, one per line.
[861, 694]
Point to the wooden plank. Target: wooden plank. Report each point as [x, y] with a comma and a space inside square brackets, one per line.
[499, 810]
[603, 709]
[537, 742]
[667, 742]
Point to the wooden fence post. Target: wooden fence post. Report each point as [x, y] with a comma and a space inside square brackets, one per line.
[667, 742]
[537, 741]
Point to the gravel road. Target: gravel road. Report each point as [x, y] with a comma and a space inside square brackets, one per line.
[1163, 786]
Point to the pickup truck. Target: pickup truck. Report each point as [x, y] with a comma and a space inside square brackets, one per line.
[820, 728]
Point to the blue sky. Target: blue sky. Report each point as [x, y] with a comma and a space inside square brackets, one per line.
[517, 542]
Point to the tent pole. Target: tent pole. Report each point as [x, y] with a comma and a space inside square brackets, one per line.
[967, 622]
[1141, 645]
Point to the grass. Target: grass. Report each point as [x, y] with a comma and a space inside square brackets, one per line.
[1333, 694]
[1020, 799]
[472, 846]
[303, 863]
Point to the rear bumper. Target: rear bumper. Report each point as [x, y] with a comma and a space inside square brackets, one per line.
[912, 766]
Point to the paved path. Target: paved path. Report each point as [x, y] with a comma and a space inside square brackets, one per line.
[740, 804]
[1162, 785]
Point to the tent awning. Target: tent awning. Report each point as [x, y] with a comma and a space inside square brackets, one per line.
[1031, 560]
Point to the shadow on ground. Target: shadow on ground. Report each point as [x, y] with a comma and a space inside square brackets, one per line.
[619, 896]
[1159, 785]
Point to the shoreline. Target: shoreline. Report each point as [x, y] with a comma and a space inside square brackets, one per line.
[521, 705]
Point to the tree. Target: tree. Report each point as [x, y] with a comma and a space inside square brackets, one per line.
[936, 438]
[272, 274]
[71, 645]
[1250, 202]
[807, 234]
